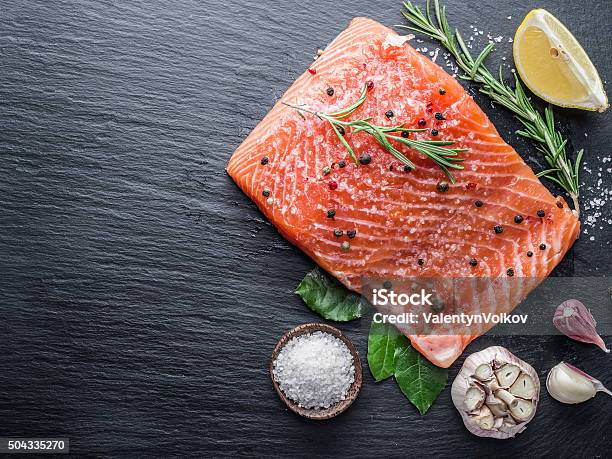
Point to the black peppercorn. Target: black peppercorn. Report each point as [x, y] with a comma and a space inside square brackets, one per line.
[351, 233]
[387, 284]
[330, 91]
[265, 160]
[473, 262]
[331, 213]
[420, 261]
[266, 192]
[407, 168]
[338, 232]
[365, 158]
[405, 134]
[541, 213]
[529, 253]
[478, 203]
[389, 114]
[542, 246]
[442, 187]
[434, 132]
[422, 122]
[340, 130]
[518, 219]
[342, 163]
[439, 116]
[510, 272]
[498, 229]
[442, 91]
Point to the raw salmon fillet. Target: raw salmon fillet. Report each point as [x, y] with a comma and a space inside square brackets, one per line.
[404, 226]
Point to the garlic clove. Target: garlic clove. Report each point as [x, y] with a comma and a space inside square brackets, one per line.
[523, 387]
[497, 407]
[573, 319]
[483, 372]
[498, 422]
[474, 398]
[485, 418]
[568, 384]
[507, 374]
[522, 409]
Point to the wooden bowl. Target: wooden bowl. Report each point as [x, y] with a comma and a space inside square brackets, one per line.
[353, 392]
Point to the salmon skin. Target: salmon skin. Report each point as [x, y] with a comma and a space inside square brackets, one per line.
[405, 227]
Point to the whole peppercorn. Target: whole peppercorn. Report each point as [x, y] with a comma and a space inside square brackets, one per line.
[338, 232]
[407, 168]
[498, 229]
[442, 187]
[387, 284]
[421, 262]
[442, 91]
[331, 213]
[434, 132]
[330, 91]
[405, 134]
[341, 163]
[529, 253]
[510, 272]
[422, 122]
[541, 213]
[478, 203]
[439, 116]
[351, 233]
[365, 158]
[341, 130]
[473, 262]
[542, 246]
[518, 219]
[265, 160]
[265, 192]
[389, 114]
[345, 246]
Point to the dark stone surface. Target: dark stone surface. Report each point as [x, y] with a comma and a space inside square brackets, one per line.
[142, 293]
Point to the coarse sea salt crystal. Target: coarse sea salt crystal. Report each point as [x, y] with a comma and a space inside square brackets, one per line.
[315, 370]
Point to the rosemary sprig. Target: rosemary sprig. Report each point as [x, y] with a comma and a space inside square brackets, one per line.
[445, 158]
[540, 129]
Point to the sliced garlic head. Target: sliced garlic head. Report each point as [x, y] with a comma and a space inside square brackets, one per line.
[496, 393]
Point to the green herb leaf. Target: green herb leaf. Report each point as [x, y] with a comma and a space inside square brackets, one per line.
[329, 298]
[383, 340]
[419, 380]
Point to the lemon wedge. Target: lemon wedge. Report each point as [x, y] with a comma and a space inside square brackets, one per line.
[554, 66]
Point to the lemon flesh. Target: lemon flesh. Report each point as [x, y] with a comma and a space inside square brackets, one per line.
[553, 65]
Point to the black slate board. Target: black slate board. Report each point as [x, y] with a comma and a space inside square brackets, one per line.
[142, 293]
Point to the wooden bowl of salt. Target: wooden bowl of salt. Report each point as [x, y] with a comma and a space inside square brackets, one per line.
[339, 406]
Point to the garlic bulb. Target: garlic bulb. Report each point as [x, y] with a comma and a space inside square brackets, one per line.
[568, 384]
[496, 393]
[573, 319]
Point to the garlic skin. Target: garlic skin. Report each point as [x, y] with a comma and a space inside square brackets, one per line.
[573, 319]
[568, 384]
[512, 390]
